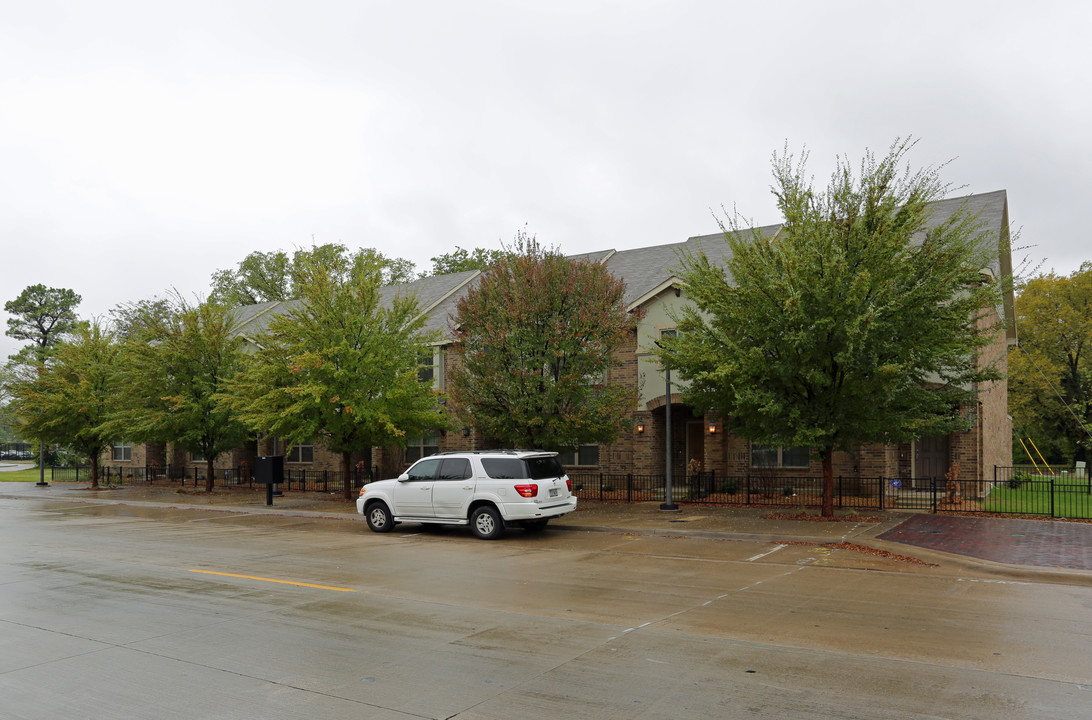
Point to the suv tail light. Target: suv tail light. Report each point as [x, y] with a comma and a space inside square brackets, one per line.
[527, 491]
[569, 484]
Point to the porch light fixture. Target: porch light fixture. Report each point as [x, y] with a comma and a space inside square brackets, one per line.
[640, 427]
[712, 428]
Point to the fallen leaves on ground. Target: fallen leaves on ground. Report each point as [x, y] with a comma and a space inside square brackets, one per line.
[811, 517]
[864, 549]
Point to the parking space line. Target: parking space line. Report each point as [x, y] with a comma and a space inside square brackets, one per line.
[762, 555]
[282, 582]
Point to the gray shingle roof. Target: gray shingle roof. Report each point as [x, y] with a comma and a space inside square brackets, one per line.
[643, 269]
[436, 296]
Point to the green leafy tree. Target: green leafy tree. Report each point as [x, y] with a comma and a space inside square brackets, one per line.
[171, 377]
[42, 315]
[461, 260]
[537, 337]
[1050, 373]
[260, 277]
[265, 277]
[857, 322]
[69, 400]
[340, 365]
[133, 320]
[8, 423]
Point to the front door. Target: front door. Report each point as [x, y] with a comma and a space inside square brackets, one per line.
[931, 457]
[695, 445]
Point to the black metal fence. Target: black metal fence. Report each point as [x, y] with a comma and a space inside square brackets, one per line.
[760, 490]
[307, 480]
[1046, 491]
[1014, 490]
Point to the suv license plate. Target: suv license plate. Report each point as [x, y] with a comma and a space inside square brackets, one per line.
[553, 492]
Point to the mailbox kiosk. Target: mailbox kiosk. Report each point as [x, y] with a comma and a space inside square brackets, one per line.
[269, 471]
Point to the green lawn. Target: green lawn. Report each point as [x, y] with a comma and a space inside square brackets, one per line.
[23, 475]
[1070, 501]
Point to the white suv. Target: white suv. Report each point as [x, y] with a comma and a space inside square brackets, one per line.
[486, 489]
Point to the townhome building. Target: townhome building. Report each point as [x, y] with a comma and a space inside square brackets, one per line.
[655, 294]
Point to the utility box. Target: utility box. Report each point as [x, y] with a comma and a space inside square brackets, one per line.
[269, 469]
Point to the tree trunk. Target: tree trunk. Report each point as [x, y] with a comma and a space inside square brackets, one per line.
[95, 471]
[347, 475]
[208, 476]
[828, 481]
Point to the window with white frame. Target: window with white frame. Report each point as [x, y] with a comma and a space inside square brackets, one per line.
[583, 456]
[300, 454]
[776, 456]
[122, 452]
[197, 457]
[417, 448]
[430, 368]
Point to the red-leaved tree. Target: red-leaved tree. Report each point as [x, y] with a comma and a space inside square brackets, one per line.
[537, 338]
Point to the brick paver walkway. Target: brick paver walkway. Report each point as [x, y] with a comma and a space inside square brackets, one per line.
[1043, 543]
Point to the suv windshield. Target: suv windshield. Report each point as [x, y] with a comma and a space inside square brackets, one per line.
[536, 468]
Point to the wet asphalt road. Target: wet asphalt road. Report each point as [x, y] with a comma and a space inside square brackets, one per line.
[141, 612]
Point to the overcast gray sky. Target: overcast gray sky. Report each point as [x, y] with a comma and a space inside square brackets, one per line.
[145, 144]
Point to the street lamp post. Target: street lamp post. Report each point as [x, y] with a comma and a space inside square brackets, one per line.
[41, 465]
[668, 503]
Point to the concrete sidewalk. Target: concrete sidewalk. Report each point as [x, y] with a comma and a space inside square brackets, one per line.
[958, 539]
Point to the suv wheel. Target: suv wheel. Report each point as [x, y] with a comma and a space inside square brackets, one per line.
[379, 518]
[486, 523]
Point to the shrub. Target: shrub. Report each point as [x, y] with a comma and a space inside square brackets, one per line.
[1018, 479]
[731, 487]
[788, 491]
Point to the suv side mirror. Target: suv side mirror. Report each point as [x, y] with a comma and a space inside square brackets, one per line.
[403, 477]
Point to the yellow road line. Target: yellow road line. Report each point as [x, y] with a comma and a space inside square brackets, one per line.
[283, 582]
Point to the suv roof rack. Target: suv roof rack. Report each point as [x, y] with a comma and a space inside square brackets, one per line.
[502, 451]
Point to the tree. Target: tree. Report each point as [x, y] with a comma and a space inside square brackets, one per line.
[536, 338]
[265, 277]
[69, 400]
[133, 320]
[260, 277]
[43, 316]
[340, 365]
[171, 376]
[461, 260]
[858, 321]
[1050, 373]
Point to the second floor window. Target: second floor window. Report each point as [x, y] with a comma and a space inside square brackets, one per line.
[429, 368]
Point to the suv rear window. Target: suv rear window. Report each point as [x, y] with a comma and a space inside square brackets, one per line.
[538, 468]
